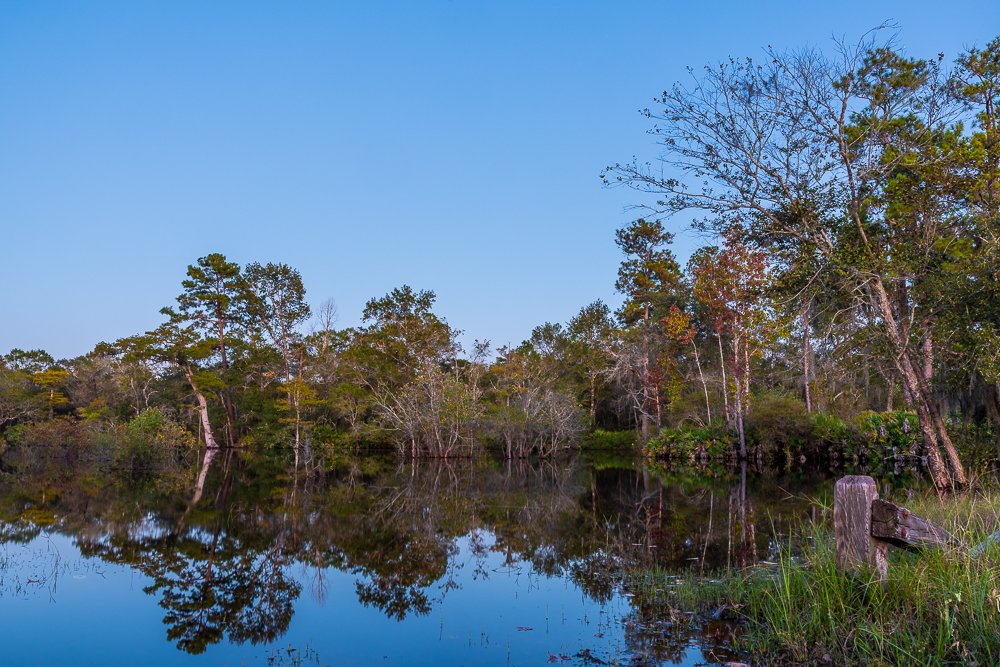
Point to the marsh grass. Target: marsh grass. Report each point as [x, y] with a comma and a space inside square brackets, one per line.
[938, 607]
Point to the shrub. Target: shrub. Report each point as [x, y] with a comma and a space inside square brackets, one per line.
[62, 440]
[152, 440]
[829, 430]
[886, 434]
[691, 444]
[778, 422]
[145, 425]
[600, 439]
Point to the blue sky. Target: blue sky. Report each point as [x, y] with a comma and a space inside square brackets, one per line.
[453, 146]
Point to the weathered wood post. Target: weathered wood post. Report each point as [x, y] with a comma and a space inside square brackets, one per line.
[852, 526]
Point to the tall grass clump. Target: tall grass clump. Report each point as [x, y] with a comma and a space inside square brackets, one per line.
[937, 607]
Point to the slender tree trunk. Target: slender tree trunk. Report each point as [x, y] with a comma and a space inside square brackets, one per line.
[206, 425]
[739, 427]
[298, 438]
[644, 409]
[746, 376]
[805, 355]
[725, 384]
[227, 402]
[928, 351]
[659, 409]
[868, 382]
[993, 412]
[739, 397]
[206, 463]
[593, 399]
[646, 377]
[704, 385]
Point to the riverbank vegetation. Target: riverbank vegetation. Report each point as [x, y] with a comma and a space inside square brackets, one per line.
[936, 607]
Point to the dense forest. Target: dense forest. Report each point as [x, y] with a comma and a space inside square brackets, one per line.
[849, 290]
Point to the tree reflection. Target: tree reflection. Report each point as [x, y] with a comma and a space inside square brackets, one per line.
[211, 582]
[220, 544]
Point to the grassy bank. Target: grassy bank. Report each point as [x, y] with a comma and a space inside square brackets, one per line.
[780, 430]
[938, 607]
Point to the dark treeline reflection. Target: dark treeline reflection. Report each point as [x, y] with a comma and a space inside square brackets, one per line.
[229, 544]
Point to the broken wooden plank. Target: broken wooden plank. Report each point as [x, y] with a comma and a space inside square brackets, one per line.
[852, 520]
[902, 528]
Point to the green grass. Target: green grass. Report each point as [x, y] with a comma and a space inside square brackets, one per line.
[938, 607]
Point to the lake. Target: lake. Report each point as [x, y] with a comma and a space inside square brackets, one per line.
[380, 562]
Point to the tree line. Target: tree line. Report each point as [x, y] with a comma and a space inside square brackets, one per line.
[852, 204]
[870, 181]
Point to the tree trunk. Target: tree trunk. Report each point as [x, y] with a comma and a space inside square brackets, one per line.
[199, 487]
[298, 418]
[738, 394]
[725, 384]
[739, 427]
[227, 402]
[593, 399]
[931, 425]
[704, 385]
[206, 425]
[644, 409]
[746, 376]
[805, 356]
[993, 411]
[928, 351]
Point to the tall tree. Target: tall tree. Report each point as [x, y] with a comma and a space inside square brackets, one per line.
[651, 282]
[588, 332]
[276, 305]
[210, 302]
[804, 153]
[730, 282]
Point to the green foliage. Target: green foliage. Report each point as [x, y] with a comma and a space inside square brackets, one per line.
[778, 422]
[896, 432]
[20, 400]
[145, 425]
[62, 440]
[830, 431]
[601, 439]
[977, 442]
[28, 361]
[152, 441]
[691, 444]
[649, 277]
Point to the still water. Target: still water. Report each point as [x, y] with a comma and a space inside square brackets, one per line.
[377, 563]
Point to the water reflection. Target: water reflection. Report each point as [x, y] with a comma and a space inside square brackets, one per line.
[228, 547]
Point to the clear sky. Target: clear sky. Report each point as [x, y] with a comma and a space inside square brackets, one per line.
[454, 146]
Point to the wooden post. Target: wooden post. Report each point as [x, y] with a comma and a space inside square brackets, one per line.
[852, 526]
